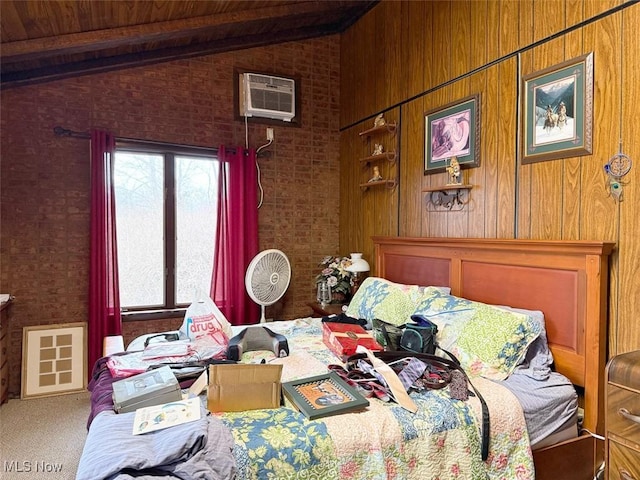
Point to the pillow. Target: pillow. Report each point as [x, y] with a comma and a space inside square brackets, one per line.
[435, 301]
[538, 360]
[390, 302]
[384, 300]
[488, 341]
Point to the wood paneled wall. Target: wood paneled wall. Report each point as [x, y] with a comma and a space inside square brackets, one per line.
[405, 58]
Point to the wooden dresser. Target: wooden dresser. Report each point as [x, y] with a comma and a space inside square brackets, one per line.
[4, 351]
[622, 417]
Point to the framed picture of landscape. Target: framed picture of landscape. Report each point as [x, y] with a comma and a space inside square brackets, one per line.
[557, 111]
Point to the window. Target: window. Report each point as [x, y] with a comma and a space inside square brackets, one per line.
[166, 206]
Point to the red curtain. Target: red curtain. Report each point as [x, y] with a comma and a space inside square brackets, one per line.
[237, 235]
[104, 297]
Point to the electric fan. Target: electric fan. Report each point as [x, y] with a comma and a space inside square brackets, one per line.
[267, 278]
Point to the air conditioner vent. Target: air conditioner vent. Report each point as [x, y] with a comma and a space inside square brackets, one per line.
[271, 100]
[267, 96]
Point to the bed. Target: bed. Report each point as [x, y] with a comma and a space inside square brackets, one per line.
[566, 280]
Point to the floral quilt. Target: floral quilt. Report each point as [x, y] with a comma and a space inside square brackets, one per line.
[384, 441]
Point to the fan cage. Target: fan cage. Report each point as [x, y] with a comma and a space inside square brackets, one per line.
[268, 277]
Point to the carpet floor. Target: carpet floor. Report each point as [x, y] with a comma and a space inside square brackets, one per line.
[43, 437]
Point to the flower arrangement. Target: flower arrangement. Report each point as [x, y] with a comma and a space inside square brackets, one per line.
[335, 274]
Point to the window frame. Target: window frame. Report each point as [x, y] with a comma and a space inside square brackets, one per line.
[170, 309]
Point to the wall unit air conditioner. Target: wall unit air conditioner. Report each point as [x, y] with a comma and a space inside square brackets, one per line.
[267, 96]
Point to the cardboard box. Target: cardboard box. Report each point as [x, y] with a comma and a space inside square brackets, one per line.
[239, 387]
[343, 338]
[154, 387]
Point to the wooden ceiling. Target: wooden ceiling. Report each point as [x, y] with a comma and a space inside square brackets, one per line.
[45, 40]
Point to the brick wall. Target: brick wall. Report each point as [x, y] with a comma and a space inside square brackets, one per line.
[44, 180]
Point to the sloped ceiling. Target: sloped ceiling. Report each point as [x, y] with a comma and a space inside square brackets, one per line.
[44, 40]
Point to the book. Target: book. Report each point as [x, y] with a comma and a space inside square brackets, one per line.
[323, 395]
[157, 417]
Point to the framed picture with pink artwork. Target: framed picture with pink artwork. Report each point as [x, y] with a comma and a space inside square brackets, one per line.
[453, 131]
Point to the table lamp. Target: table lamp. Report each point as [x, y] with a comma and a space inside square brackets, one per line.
[359, 269]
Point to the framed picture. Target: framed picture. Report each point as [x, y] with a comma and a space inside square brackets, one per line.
[557, 111]
[453, 131]
[54, 359]
[323, 395]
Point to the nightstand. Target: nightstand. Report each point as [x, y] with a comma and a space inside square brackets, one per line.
[330, 309]
[622, 417]
[4, 351]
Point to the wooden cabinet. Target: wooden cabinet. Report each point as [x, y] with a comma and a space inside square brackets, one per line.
[575, 459]
[622, 417]
[379, 167]
[4, 352]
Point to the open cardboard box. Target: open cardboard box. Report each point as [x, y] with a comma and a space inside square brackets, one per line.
[238, 387]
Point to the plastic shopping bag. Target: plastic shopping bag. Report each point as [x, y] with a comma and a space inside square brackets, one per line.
[205, 324]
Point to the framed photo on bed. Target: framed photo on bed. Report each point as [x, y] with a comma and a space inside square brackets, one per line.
[558, 108]
[323, 395]
[453, 131]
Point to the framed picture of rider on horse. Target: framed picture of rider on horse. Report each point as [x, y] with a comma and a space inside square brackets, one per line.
[453, 131]
[557, 111]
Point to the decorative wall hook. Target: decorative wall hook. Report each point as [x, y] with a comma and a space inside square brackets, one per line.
[616, 168]
[449, 197]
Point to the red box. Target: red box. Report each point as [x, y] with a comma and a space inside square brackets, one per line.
[343, 338]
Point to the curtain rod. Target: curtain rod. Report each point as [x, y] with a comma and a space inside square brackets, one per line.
[65, 132]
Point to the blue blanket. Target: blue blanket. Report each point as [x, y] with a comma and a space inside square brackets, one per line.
[200, 449]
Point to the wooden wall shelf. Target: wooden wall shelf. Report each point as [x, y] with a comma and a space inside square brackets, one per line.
[388, 127]
[389, 156]
[447, 188]
[386, 183]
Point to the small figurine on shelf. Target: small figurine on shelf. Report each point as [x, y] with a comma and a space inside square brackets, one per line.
[376, 175]
[379, 121]
[454, 172]
[377, 149]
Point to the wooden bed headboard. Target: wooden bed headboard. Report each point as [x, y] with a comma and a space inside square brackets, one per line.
[566, 280]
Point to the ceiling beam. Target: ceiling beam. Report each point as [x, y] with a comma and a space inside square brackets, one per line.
[42, 48]
[100, 65]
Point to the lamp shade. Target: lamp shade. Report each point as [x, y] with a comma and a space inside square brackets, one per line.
[358, 264]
